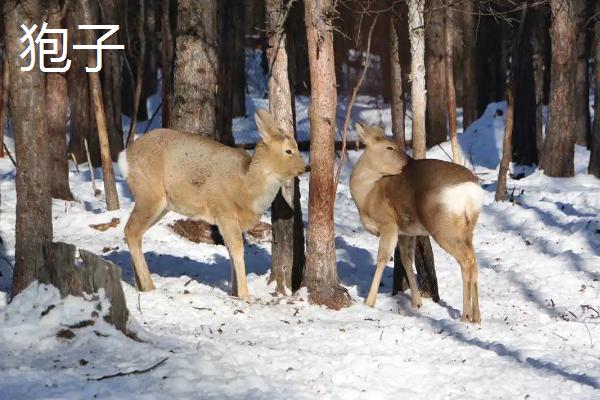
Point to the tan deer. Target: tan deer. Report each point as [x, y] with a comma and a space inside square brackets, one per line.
[205, 180]
[399, 198]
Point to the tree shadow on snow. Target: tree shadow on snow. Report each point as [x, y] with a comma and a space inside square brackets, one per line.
[214, 274]
[454, 331]
[359, 267]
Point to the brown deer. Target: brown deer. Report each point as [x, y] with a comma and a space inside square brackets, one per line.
[399, 198]
[205, 180]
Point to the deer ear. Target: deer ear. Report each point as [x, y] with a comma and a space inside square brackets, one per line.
[365, 133]
[267, 127]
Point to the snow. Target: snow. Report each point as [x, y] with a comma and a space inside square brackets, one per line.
[539, 275]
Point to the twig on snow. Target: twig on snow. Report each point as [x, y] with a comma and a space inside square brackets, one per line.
[134, 372]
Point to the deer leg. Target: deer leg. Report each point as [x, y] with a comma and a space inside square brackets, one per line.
[232, 235]
[143, 216]
[407, 252]
[387, 242]
[476, 316]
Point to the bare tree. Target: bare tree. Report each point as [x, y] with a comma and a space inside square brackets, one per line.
[196, 68]
[470, 65]
[450, 89]
[28, 116]
[594, 165]
[506, 149]
[320, 274]
[166, 62]
[435, 80]
[416, 28]
[397, 103]
[559, 146]
[288, 231]
[582, 128]
[57, 116]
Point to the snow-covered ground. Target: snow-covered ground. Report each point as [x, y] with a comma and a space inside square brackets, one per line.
[539, 261]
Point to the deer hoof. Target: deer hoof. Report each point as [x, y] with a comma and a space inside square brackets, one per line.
[416, 303]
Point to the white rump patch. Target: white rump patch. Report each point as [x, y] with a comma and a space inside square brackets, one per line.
[123, 164]
[464, 198]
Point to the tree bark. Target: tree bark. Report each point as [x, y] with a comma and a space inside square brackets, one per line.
[594, 165]
[196, 68]
[110, 186]
[224, 112]
[57, 116]
[450, 89]
[27, 94]
[524, 139]
[320, 274]
[470, 64]
[238, 78]
[139, 71]
[4, 88]
[559, 146]
[538, 43]
[582, 128]
[506, 148]
[419, 98]
[397, 103]
[435, 51]
[287, 248]
[112, 79]
[300, 60]
[166, 62]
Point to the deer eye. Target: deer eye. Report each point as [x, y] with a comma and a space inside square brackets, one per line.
[390, 148]
[288, 151]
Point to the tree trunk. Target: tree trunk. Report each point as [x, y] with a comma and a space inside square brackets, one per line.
[28, 112]
[397, 103]
[594, 166]
[82, 120]
[559, 146]
[320, 274]
[450, 89]
[4, 88]
[582, 128]
[435, 51]
[139, 71]
[538, 44]
[57, 116]
[224, 112]
[524, 139]
[238, 79]
[424, 262]
[506, 148]
[288, 242]
[112, 80]
[110, 187]
[166, 62]
[196, 68]
[419, 98]
[470, 65]
[298, 37]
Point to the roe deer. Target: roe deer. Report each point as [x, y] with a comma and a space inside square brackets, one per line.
[205, 180]
[399, 198]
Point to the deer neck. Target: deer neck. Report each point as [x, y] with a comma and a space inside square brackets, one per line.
[261, 182]
[363, 179]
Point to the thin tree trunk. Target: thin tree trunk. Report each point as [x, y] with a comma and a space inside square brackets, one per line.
[112, 78]
[57, 115]
[419, 99]
[559, 146]
[4, 88]
[288, 242]
[506, 149]
[470, 65]
[110, 187]
[320, 274]
[396, 85]
[28, 93]
[582, 128]
[227, 9]
[450, 89]
[238, 78]
[139, 74]
[594, 165]
[166, 62]
[538, 44]
[435, 80]
[524, 140]
[196, 69]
